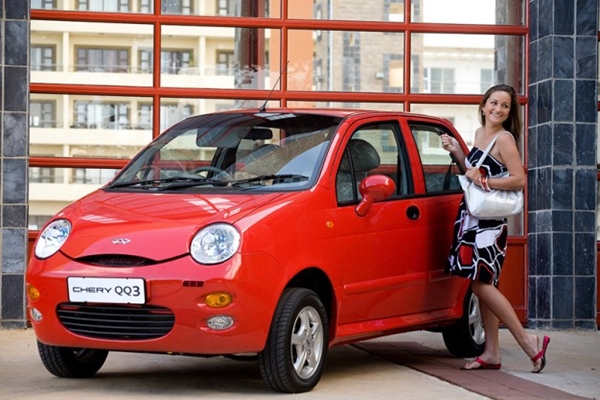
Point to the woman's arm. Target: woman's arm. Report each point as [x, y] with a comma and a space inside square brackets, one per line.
[453, 147]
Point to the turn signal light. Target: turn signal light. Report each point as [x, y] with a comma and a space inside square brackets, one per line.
[33, 293]
[218, 300]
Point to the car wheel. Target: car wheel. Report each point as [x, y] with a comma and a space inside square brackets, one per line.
[466, 338]
[296, 348]
[66, 362]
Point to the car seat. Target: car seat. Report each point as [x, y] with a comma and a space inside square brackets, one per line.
[361, 157]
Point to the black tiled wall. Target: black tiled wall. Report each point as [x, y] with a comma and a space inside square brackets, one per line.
[14, 144]
[562, 163]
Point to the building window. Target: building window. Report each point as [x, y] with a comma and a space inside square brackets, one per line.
[90, 115]
[41, 175]
[42, 114]
[43, 4]
[439, 80]
[486, 79]
[171, 61]
[104, 5]
[227, 8]
[182, 7]
[92, 176]
[102, 60]
[169, 114]
[225, 62]
[43, 58]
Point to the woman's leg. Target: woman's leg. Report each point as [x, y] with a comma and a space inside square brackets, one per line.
[491, 353]
[498, 305]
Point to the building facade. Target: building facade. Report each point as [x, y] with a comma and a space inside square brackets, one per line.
[85, 86]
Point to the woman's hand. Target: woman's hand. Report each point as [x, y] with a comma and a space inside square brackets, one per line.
[449, 143]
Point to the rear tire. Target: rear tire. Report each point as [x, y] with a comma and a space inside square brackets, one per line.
[67, 362]
[466, 338]
[296, 348]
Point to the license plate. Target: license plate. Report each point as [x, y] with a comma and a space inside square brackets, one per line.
[107, 290]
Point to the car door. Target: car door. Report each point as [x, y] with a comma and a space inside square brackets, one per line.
[384, 252]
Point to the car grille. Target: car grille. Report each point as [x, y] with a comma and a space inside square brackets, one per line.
[116, 260]
[123, 322]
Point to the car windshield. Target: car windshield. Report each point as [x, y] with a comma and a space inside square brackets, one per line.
[233, 151]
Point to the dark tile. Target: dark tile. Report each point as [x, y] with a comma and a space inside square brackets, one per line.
[586, 110]
[562, 254]
[17, 39]
[532, 256]
[563, 141]
[16, 141]
[532, 147]
[586, 49]
[588, 325]
[544, 254]
[14, 216]
[546, 17]
[13, 297]
[544, 294]
[544, 188]
[544, 142]
[14, 178]
[564, 17]
[564, 100]
[16, 89]
[544, 54]
[585, 252]
[544, 105]
[562, 221]
[533, 65]
[585, 144]
[585, 189]
[16, 9]
[532, 300]
[586, 12]
[562, 325]
[562, 189]
[563, 58]
[534, 21]
[585, 297]
[585, 221]
[562, 298]
[533, 104]
[14, 245]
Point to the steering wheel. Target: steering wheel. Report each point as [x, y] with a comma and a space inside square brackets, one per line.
[209, 168]
[147, 172]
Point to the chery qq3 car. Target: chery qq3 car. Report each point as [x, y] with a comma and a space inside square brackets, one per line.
[271, 234]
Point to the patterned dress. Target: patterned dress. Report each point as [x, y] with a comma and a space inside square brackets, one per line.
[479, 245]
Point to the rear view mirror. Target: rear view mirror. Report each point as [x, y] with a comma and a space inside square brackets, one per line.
[257, 134]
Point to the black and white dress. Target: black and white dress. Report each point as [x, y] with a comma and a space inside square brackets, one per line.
[479, 245]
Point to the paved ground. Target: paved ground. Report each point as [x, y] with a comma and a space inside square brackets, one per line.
[407, 366]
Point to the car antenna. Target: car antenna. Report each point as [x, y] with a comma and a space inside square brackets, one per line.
[264, 106]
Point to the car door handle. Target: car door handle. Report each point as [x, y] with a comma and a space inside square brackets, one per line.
[413, 212]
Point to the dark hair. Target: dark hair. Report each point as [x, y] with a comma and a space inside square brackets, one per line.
[513, 122]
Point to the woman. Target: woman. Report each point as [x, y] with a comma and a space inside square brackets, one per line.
[479, 245]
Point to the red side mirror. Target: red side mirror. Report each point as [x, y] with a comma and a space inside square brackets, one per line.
[374, 188]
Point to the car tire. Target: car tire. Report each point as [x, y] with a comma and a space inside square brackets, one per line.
[66, 362]
[466, 338]
[296, 348]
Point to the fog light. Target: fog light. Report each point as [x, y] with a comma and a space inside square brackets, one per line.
[33, 293]
[220, 322]
[218, 300]
[36, 315]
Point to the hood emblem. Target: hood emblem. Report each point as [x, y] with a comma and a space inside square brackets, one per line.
[121, 241]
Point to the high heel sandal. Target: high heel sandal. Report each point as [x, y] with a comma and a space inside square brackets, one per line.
[542, 355]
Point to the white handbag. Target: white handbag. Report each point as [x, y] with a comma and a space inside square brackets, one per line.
[494, 204]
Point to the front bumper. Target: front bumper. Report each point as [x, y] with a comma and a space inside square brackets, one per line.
[177, 288]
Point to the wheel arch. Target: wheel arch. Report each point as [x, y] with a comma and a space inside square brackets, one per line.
[317, 280]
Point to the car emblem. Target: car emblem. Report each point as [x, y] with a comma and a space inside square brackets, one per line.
[120, 241]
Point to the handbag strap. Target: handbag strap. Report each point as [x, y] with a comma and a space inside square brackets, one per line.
[488, 149]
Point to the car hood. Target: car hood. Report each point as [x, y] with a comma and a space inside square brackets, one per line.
[155, 226]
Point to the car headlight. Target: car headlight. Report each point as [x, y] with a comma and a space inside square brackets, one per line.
[215, 243]
[52, 238]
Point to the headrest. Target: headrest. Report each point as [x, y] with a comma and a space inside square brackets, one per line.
[364, 156]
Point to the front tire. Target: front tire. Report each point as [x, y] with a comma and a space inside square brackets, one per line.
[296, 348]
[66, 362]
[466, 338]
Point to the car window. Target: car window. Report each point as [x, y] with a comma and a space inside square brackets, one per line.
[439, 170]
[372, 149]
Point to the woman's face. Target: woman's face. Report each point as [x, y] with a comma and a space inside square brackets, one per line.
[497, 108]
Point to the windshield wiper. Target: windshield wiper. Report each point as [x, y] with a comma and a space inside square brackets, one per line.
[175, 182]
[270, 180]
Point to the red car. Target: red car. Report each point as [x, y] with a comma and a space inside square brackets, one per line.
[273, 234]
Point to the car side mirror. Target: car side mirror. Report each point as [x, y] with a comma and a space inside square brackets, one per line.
[374, 188]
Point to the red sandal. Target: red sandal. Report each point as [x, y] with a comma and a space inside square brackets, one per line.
[542, 355]
[482, 365]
